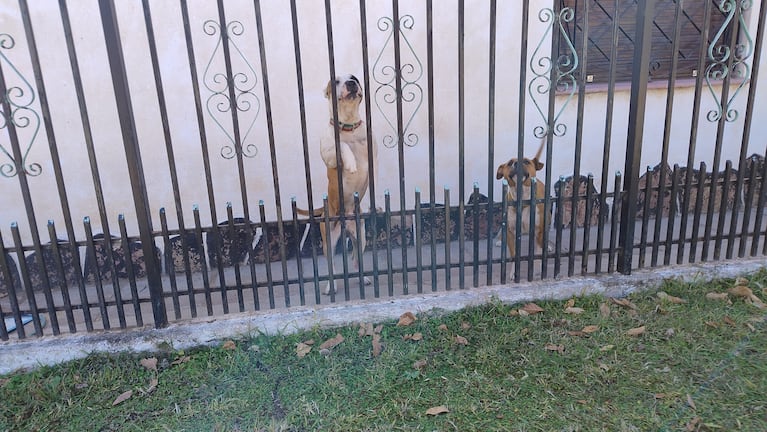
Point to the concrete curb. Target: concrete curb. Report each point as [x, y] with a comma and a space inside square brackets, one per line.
[51, 350]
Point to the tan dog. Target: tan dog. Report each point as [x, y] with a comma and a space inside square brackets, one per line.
[510, 171]
[355, 174]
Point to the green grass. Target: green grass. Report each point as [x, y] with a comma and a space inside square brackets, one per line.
[702, 364]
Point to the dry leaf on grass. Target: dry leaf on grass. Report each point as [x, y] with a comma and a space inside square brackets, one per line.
[590, 329]
[332, 342]
[465, 325]
[741, 291]
[718, 296]
[624, 302]
[377, 347]
[229, 345]
[604, 310]
[690, 402]
[378, 329]
[553, 347]
[692, 426]
[570, 303]
[606, 348]
[669, 298]
[437, 410]
[574, 310]
[149, 363]
[576, 333]
[180, 360]
[712, 324]
[746, 293]
[302, 349]
[413, 337]
[442, 327]
[420, 364]
[513, 312]
[366, 329]
[460, 340]
[406, 319]
[123, 397]
[636, 331]
[531, 309]
[152, 385]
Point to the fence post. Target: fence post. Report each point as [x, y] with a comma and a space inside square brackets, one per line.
[642, 46]
[133, 157]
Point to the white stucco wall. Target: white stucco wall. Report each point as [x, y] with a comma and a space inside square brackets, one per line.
[184, 131]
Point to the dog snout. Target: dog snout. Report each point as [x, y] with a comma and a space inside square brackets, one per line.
[352, 88]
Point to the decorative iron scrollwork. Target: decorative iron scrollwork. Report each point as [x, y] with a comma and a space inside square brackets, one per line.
[541, 65]
[409, 75]
[241, 84]
[719, 54]
[19, 98]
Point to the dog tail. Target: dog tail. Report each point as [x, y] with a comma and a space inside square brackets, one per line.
[302, 212]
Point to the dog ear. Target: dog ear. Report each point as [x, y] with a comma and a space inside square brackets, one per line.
[538, 164]
[328, 89]
[501, 171]
[355, 80]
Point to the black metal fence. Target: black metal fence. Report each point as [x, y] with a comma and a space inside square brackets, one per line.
[669, 214]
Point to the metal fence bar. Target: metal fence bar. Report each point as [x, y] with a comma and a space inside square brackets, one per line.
[614, 217]
[299, 259]
[133, 156]
[697, 211]
[722, 122]
[559, 225]
[666, 133]
[204, 152]
[432, 167]
[400, 137]
[579, 140]
[721, 215]
[5, 262]
[748, 122]
[448, 260]
[305, 147]
[648, 191]
[169, 268]
[525, 29]
[418, 234]
[162, 104]
[132, 276]
[59, 269]
[205, 277]
[694, 135]
[645, 9]
[273, 154]
[372, 145]
[490, 139]
[53, 148]
[610, 110]
[587, 227]
[462, 134]
[336, 136]
[672, 219]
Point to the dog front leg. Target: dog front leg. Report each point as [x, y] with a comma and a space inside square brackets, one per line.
[347, 156]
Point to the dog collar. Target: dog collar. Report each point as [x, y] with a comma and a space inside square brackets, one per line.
[347, 127]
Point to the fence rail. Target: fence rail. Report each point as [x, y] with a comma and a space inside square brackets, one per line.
[702, 199]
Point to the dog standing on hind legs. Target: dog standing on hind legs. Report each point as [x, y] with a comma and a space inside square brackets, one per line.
[511, 171]
[355, 175]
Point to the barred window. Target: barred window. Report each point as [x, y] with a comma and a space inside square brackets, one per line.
[600, 36]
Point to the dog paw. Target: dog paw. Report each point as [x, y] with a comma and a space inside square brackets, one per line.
[367, 281]
[497, 243]
[328, 289]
